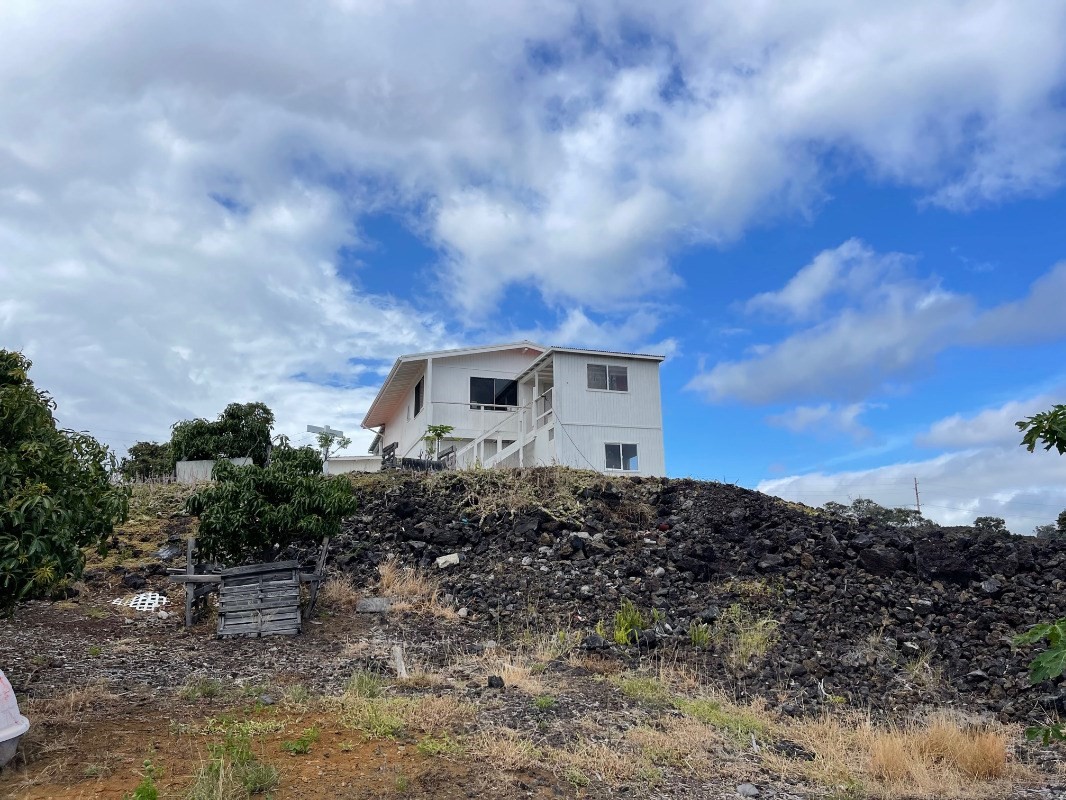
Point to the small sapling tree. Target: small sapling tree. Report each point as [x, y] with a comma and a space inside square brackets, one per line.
[1048, 429]
[330, 444]
[56, 493]
[435, 434]
[254, 511]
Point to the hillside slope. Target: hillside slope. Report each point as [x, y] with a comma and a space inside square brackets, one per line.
[834, 610]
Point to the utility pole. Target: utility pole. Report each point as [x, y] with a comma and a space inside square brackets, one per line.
[325, 430]
[917, 500]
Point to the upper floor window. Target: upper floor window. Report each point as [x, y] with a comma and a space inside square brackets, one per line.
[419, 395]
[621, 456]
[493, 394]
[608, 378]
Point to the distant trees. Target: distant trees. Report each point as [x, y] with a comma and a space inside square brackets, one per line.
[866, 509]
[56, 494]
[147, 460]
[242, 430]
[1049, 531]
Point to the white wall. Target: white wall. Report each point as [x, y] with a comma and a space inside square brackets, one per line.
[451, 390]
[408, 432]
[196, 471]
[338, 465]
[593, 418]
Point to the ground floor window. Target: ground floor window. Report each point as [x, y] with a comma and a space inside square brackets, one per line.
[622, 457]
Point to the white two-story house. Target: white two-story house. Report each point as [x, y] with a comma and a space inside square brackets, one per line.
[524, 404]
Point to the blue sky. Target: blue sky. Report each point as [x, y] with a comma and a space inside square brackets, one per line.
[845, 226]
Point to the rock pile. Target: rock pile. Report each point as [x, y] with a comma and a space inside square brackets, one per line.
[834, 610]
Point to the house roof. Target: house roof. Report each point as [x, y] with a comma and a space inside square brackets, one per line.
[615, 353]
[409, 368]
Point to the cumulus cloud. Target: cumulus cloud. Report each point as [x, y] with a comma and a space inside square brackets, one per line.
[991, 426]
[179, 179]
[852, 271]
[984, 473]
[633, 331]
[1026, 489]
[825, 418]
[888, 325]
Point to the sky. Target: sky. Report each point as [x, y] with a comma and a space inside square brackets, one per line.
[844, 224]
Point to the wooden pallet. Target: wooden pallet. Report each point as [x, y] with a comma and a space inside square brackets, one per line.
[260, 600]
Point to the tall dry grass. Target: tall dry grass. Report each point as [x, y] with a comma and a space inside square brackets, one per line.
[412, 589]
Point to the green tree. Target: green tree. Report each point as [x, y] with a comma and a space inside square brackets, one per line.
[253, 511]
[1049, 531]
[56, 493]
[146, 460]
[1060, 523]
[242, 430]
[1049, 429]
[994, 524]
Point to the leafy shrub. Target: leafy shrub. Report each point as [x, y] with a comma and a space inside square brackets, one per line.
[56, 494]
[257, 509]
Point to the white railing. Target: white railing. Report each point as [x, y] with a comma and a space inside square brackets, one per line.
[528, 424]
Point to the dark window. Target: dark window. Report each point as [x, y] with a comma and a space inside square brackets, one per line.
[597, 376]
[419, 389]
[622, 457]
[608, 378]
[493, 394]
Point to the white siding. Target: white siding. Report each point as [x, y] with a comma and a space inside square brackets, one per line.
[592, 418]
[408, 432]
[451, 391]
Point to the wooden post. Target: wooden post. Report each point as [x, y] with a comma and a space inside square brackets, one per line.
[320, 575]
[190, 589]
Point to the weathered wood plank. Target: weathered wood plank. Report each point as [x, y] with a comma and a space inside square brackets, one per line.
[259, 569]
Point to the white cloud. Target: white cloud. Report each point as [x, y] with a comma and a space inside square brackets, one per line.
[984, 473]
[632, 331]
[576, 172]
[991, 426]
[1026, 489]
[889, 326]
[852, 270]
[825, 418]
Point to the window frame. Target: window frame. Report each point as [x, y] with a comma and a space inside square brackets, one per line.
[480, 406]
[607, 370]
[621, 456]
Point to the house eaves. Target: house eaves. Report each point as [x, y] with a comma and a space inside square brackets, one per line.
[409, 368]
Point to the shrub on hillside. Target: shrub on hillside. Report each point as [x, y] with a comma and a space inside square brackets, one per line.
[254, 511]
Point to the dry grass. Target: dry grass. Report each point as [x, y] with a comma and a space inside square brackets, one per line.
[338, 594]
[70, 705]
[380, 716]
[936, 757]
[515, 675]
[745, 636]
[412, 590]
